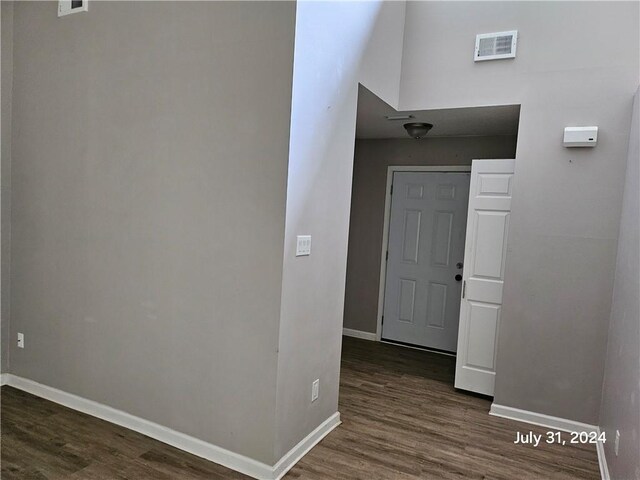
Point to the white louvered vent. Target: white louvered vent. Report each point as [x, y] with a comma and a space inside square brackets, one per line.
[494, 46]
[67, 7]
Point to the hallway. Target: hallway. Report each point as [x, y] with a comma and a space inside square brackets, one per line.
[402, 419]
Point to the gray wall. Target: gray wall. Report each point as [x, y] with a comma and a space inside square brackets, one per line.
[566, 204]
[6, 87]
[150, 146]
[372, 157]
[621, 390]
[338, 44]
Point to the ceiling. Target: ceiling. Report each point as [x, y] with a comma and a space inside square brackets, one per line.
[494, 120]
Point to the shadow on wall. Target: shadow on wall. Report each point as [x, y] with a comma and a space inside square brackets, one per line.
[332, 38]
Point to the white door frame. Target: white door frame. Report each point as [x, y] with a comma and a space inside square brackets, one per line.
[391, 169]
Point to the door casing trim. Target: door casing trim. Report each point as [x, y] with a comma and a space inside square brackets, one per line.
[391, 169]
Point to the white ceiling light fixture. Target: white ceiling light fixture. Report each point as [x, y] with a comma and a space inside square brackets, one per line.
[417, 130]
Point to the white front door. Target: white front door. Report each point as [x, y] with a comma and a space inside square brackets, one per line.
[485, 251]
[425, 254]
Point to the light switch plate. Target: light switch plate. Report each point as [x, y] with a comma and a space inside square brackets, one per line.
[315, 389]
[303, 245]
[20, 340]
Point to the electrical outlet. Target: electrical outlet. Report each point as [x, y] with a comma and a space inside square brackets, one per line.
[315, 389]
[617, 443]
[303, 245]
[20, 340]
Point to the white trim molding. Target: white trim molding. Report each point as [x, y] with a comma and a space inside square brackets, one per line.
[4, 379]
[200, 448]
[391, 169]
[541, 419]
[602, 461]
[348, 332]
[294, 455]
[555, 423]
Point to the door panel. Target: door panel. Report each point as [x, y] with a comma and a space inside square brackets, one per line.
[426, 241]
[495, 184]
[491, 228]
[436, 305]
[485, 253]
[411, 235]
[407, 301]
[441, 244]
[483, 326]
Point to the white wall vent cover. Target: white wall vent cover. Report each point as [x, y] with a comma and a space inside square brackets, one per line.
[494, 46]
[67, 7]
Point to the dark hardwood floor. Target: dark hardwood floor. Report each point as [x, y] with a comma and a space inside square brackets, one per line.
[402, 420]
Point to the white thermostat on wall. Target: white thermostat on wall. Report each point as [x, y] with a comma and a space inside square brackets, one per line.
[580, 136]
[67, 7]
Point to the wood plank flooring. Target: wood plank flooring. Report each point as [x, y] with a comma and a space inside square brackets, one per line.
[402, 420]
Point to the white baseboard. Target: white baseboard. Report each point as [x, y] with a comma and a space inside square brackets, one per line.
[555, 423]
[347, 332]
[294, 455]
[4, 379]
[166, 435]
[200, 448]
[602, 461]
[541, 419]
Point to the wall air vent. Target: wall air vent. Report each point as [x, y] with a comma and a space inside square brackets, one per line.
[495, 46]
[67, 7]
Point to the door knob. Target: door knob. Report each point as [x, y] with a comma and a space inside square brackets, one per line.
[459, 265]
[458, 277]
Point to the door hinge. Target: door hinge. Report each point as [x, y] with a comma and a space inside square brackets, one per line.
[391, 191]
[387, 256]
[464, 288]
[382, 320]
